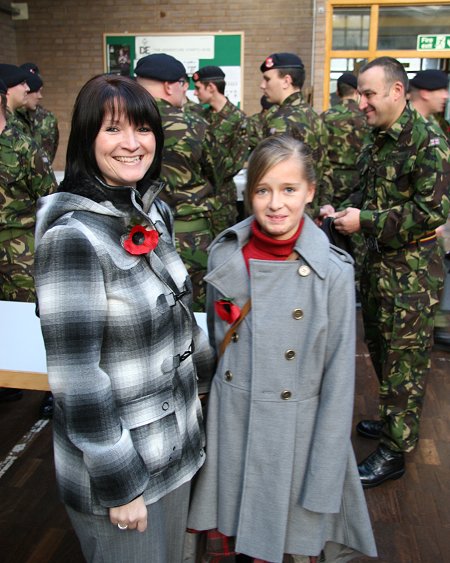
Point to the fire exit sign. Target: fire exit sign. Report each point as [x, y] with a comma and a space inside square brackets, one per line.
[433, 42]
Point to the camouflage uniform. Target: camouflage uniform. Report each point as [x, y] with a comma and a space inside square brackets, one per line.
[25, 175]
[297, 118]
[405, 175]
[229, 129]
[42, 126]
[189, 171]
[442, 317]
[347, 133]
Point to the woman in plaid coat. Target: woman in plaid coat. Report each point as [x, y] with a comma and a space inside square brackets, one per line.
[123, 348]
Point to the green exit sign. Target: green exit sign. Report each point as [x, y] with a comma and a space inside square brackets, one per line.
[433, 42]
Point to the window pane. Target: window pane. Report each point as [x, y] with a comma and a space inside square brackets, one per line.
[400, 26]
[351, 28]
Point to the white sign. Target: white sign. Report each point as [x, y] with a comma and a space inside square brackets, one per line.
[182, 47]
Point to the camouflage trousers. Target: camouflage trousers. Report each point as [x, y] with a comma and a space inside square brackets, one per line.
[16, 268]
[399, 293]
[192, 247]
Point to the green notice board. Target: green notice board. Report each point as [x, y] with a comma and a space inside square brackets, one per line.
[224, 49]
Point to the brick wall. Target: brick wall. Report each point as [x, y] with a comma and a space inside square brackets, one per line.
[7, 40]
[65, 38]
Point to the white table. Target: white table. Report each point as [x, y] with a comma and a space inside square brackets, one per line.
[22, 353]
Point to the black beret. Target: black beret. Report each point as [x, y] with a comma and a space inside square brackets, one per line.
[348, 78]
[3, 88]
[12, 75]
[34, 82]
[282, 60]
[30, 67]
[208, 73]
[430, 79]
[160, 66]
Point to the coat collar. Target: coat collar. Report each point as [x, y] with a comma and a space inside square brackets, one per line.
[231, 273]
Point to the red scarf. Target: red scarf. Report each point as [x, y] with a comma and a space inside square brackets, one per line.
[264, 247]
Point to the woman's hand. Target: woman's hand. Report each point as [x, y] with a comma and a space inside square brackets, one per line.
[132, 515]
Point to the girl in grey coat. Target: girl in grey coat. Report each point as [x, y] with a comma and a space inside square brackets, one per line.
[280, 476]
[121, 340]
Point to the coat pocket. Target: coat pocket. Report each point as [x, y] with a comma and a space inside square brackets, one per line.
[154, 429]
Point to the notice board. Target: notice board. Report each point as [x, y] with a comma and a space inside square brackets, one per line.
[121, 51]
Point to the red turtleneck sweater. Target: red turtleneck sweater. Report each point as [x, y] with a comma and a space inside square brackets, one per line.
[264, 247]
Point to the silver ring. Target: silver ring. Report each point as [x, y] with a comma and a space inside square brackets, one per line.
[122, 527]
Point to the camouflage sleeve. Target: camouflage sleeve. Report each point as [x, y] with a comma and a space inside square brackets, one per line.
[421, 198]
[229, 130]
[41, 178]
[50, 137]
[324, 190]
[255, 130]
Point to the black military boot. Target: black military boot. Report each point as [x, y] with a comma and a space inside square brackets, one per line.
[46, 407]
[370, 429]
[381, 465]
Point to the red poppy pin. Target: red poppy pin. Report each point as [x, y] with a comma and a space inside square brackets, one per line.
[140, 240]
[227, 310]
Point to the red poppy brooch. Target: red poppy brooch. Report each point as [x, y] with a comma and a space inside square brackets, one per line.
[140, 240]
[227, 310]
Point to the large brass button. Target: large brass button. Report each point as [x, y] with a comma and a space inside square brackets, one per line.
[235, 337]
[297, 314]
[286, 395]
[228, 375]
[289, 354]
[304, 270]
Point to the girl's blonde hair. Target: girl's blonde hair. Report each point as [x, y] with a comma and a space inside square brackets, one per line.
[269, 153]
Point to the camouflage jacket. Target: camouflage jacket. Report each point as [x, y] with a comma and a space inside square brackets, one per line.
[405, 176]
[188, 164]
[25, 175]
[347, 131]
[229, 128]
[297, 118]
[42, 126]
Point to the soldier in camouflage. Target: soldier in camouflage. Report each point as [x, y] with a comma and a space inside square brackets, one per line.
[428, 92]
[25, 175]
[228, 125]
[404, 197]
[190, 168]
[25, 114]
[283, 79]
[347, 133]
[37, 121]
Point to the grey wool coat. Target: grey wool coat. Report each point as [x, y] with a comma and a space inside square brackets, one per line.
[280, 473]
[118, 329]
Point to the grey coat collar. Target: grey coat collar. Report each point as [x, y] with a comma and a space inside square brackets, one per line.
[231, 272]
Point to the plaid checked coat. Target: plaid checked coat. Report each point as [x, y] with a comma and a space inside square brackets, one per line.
[127, 417]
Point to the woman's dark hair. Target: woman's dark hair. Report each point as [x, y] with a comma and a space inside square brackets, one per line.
[115, 95]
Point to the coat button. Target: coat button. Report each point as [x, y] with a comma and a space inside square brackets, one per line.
[235, 337]
[228, 375]
[297, 314]
[165, 406]
[304, 270]
[289, 354]
[286, 395]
